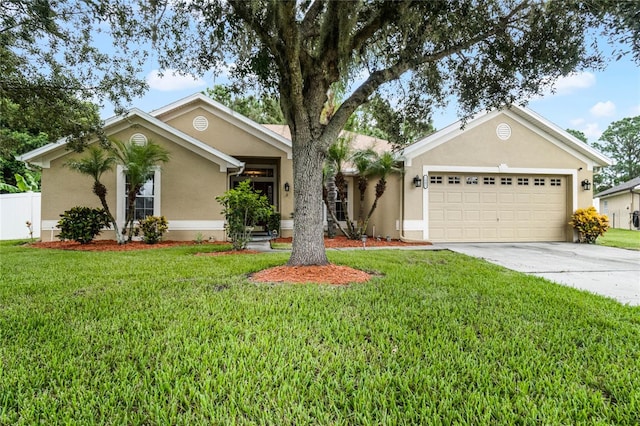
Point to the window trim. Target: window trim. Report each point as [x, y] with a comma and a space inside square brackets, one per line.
[121, 206]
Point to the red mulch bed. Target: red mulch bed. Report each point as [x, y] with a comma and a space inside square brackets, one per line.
[112, 245]
[327, 274]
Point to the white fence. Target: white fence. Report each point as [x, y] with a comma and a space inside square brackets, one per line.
[15, 211]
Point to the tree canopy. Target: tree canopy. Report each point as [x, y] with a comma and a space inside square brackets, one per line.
[486, 54]
[53, 67]
[621, 142]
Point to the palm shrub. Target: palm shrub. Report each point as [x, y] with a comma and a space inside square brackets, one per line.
[94, 164]
[82, 224]
[589, 224]
[152, 228]
[243, 209]
[138, 162]
[369, 164]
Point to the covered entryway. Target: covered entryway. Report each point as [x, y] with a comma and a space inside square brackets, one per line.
[497, 207]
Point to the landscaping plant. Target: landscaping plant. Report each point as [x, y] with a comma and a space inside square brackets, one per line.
[82, 224]
[590, 224]
[152, 228]
[243, 209]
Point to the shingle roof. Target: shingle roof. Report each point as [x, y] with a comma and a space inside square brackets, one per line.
[623, 187]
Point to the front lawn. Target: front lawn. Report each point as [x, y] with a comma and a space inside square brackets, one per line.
[621, 238]
[166, 337]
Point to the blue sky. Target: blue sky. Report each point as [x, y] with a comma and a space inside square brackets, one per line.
[587, 101]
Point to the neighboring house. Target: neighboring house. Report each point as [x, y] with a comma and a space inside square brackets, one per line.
[622, 204]
[508, 176]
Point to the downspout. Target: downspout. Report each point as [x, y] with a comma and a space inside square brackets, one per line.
[240, 170]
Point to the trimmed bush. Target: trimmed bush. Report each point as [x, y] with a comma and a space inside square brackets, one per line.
[82, 224]
[152, 228]
[590, 224]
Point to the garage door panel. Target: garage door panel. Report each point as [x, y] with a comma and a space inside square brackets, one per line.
[453, 215]
[436, 197]
[488, 197]
[471, 198]
[506, 198]
[507, 210]
[454, 197]
[472, 215]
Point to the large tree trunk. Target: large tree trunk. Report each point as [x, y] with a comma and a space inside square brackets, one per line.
[308, 234]
[332, 195]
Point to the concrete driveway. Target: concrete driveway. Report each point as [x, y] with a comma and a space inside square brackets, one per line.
[607, 271]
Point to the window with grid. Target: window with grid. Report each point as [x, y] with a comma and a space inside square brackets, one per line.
[506, 181]
[555, 181]
[453, 180]
[472, 180]
[489, 180]
[523, 181]
[340, 207]
[144, 199]
[435, 179]
[538, 182]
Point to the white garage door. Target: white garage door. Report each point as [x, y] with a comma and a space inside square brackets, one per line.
[493, 208]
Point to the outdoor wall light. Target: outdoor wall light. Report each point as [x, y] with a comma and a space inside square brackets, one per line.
[417, 182]
[287, 187]
[586, 185]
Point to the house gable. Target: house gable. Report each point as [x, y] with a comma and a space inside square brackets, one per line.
[225, 129]
[137, 121]
[516, 137]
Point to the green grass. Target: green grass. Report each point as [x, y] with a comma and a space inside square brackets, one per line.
[280, 246]
[621, 238]
[166, 337]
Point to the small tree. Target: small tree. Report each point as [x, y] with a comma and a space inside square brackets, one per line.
[589, 224]
[369, 164]
[243, 209]
[139, 161]
[95, 164]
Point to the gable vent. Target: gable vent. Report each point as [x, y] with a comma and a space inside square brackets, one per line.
[138, 139]
[503, 131]
[200, 123]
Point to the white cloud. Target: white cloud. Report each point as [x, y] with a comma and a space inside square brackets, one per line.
[603, 109]
[573, 82]
[592, 131]
[577, 122]
[567, 85]
[171, 80]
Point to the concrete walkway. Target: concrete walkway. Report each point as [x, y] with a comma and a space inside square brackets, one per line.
[607, 271]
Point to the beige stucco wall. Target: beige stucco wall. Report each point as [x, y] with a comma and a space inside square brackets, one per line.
[388, 211]
[480, 147]
[231, 140]
[189, 183]
[619, 209]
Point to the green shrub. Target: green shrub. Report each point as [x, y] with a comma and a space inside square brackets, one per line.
[152, 228]
[243, 209]
[589, 224]
[273, 223]
[82, 224]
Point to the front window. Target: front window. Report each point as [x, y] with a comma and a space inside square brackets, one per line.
[144, 200]
[340, 208]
